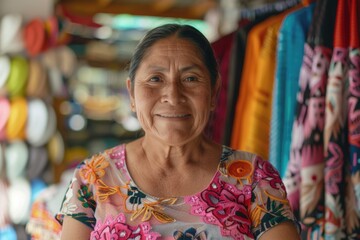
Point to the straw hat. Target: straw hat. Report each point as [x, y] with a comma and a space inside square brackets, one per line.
[15, 127]
[4, 216]
[37, 86]
[19, 72]
[56, 148]
[16, 158]
[37, 122]
[19, 200]
[61, 58]
[34, 36]
[4, 116]
[4, 69]
[38, 160]
[11, 34]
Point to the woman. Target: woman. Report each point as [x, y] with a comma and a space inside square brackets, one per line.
[174, 183]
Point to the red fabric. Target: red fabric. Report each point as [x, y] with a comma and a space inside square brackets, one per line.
[222, 50]
[341, 36]
[354, 24]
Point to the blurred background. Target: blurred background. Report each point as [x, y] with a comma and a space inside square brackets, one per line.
[63, 67]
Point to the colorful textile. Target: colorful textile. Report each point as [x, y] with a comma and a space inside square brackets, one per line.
[305, 175]
[222, 50]
[245, 198]
[236, 67]
[353, 108]
[253, 75]
[290, 49]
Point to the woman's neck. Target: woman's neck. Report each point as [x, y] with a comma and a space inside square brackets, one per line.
[158, 152]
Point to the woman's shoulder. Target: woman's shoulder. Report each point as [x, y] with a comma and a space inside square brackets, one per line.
[102, 162]
[244, 166]
[109, 154]
[230, 155]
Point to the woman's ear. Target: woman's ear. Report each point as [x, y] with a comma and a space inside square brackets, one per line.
[215, 93]
[130, 90]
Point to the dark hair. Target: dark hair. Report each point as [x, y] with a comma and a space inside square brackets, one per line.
[181, 31]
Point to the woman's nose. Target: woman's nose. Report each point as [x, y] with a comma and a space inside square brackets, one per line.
[173, 94]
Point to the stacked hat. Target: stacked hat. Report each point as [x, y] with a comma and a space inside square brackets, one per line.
[40, 35]
[11, 40]
[17, 78]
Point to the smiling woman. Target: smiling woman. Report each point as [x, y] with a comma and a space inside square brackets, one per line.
[175, 183]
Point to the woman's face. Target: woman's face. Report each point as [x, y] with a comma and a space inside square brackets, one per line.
[172, 93]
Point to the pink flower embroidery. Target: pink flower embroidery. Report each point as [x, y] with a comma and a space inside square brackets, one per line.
[226, 206]
[116, 228]
[118, 155]
[265, 171]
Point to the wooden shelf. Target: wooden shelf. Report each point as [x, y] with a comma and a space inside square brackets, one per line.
[194, 9]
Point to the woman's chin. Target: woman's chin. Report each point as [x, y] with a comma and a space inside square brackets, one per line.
[174, 138]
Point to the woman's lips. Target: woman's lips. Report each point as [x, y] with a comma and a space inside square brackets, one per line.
[173, 115]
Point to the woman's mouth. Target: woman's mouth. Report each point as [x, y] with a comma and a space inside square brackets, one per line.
[173, 115]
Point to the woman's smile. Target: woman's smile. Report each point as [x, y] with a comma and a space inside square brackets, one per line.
[173, 116]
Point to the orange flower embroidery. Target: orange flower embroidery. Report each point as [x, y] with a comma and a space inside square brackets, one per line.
[153, 209]
[94, 169]
[240, 169]
[104, 191]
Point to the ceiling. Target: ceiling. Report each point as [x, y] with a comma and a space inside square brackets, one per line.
[191, 9]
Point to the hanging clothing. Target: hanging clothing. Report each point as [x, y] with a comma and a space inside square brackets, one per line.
[244, 110]
[290, 49]
[305, 176]
[222, 50]
[334, 132]
[235, 70]
[353, 178]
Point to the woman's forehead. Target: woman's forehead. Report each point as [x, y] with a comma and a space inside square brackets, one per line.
[172, 48]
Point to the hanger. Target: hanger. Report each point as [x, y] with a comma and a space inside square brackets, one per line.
[267, 7]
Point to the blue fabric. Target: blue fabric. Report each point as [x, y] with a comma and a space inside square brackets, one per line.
[290, 51]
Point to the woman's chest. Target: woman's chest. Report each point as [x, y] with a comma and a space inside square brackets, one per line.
[217, 212]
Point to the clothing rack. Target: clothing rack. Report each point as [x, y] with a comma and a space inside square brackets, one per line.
[251, 12]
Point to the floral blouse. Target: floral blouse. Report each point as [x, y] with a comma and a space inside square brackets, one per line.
[245, 198]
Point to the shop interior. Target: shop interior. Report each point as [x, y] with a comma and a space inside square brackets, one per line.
[290, 71]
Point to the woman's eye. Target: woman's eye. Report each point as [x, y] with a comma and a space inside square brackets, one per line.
[154, 79]
[190, 79]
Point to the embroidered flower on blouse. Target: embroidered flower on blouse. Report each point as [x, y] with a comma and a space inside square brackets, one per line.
[135, 202]
[116, 228]
[117, 154]
[135, 196]
[226, 206]
[265, 171]
[240, 169]
[93, 169]
[86, 197]
[190, 234]
[68, 207]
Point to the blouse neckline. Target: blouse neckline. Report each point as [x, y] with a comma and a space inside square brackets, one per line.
[216, 175]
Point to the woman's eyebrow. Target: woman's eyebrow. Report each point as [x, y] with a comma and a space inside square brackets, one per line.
[164, 69]
[191, 67]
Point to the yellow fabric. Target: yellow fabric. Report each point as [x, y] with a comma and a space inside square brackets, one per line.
[251, 128]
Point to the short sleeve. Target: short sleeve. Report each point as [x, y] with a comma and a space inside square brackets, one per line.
[78, 201]
[269, 203]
